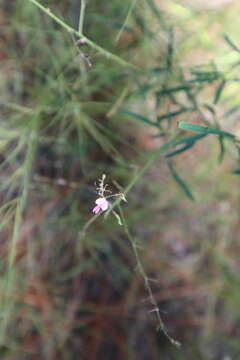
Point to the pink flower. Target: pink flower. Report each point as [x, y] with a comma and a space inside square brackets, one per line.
[102, 204]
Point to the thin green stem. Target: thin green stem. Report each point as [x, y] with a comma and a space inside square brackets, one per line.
[87, 41]
[147, 284]
[81, 16]
[130, 10]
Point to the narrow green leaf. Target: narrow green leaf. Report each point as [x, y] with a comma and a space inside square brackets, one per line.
[180, 182]
[155, 10]
[210, 109]
[163, 133]
[172, 114]
[201, 79]
[170, 50]
[206, 74]
[193, 127]
[188, 143]
[219, 91]
[222, 149]
[157, 70]
[164, 92]
[189, 139]
[179, 151]
[231, 43]
[203, 129]
[140, 21]
[231, 111]
[138, 117]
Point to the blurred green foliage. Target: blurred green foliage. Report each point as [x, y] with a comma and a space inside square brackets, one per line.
[69, 114]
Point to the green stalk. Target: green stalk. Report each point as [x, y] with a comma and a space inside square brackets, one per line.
[81, 16]
[140, 268]
[130, 10]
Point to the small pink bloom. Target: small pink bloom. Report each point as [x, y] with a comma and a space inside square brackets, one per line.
[102, 204]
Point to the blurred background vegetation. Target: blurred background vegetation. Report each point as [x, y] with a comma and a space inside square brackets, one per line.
[70, 114]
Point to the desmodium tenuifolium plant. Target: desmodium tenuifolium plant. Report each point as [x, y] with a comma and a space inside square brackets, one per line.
[103, 204]
[175, 93]
[106, 201]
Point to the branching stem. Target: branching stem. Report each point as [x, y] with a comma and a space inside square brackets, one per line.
[87, 41]
[148, 287]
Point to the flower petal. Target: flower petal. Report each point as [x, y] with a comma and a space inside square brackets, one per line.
[104, 205]
[96, 209]
[99, 201]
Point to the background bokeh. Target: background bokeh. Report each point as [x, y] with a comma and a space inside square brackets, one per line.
[70, 283]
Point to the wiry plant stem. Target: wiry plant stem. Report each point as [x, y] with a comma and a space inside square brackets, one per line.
[81, 16]
[148, 287]
[131, 8]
